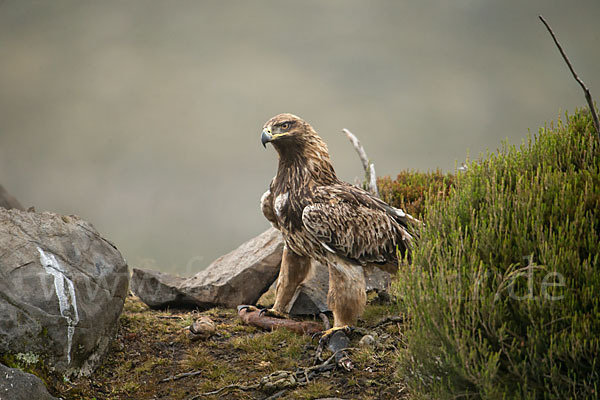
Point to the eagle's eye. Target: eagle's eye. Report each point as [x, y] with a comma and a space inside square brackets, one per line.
[285, 126]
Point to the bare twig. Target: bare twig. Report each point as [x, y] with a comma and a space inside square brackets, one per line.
[368, 166]
[180, 376]
[327, 365]
[326, 323]
[228, 387]
[586, 91]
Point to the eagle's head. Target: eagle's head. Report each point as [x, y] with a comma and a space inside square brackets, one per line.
[298, 144]
[285, 130]
[290, 135]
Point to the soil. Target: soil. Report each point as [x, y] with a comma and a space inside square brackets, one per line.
[152, 346]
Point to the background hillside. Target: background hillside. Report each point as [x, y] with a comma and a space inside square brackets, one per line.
[144, 116]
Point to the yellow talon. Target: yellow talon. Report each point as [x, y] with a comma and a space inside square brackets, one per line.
[270, 312]
[249, 308]
[327, 334]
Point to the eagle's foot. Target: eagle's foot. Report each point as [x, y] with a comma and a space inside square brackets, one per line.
[248, 308]
[326, 336]
[263, 312]
[271, 312]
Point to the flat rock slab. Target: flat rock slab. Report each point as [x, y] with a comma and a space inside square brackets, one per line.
[62, 289]
[18, 385]
[239, 277]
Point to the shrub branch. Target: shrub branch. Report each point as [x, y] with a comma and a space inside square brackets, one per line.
[368, 166]
[586, 91]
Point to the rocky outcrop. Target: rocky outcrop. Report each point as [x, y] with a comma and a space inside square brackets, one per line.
[8, 201]
[62, 289]
[239, 277]
[18, 385]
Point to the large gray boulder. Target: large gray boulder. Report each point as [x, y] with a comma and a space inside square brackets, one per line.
[239, 277]
[18, 385]
[62, 289]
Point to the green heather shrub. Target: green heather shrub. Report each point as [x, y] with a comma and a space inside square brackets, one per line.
[504, 292]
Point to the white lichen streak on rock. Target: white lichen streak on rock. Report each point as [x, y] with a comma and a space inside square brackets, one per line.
[67, 302]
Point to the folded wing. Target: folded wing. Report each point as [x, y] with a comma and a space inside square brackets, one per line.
[351, 223]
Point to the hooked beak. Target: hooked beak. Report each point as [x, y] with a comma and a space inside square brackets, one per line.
[265, 138]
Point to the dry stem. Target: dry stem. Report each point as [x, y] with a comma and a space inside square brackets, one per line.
[368, 166]
[586, 91]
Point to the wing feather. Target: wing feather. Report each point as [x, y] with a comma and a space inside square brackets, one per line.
[352, 224]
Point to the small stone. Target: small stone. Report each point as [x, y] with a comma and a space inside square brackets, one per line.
[202, 328]
[367, 341]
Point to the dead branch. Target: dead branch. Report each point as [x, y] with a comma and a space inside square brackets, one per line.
[306, 374]
[586, 91]
[368, 166]
[269, 323]
[325, 320]
[224, 388]
[180, 376]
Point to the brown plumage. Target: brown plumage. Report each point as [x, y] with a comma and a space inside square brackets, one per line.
[324, 219]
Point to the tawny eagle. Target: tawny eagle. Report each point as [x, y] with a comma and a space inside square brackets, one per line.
[324, 219]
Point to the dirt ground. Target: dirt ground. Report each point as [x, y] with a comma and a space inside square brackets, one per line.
[153, 345]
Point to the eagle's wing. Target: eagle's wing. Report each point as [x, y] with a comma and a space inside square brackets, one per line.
[350, 222]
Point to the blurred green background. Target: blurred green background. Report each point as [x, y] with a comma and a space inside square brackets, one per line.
[144, 116]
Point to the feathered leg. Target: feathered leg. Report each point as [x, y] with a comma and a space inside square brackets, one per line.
[347, 296]
[294, 269]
